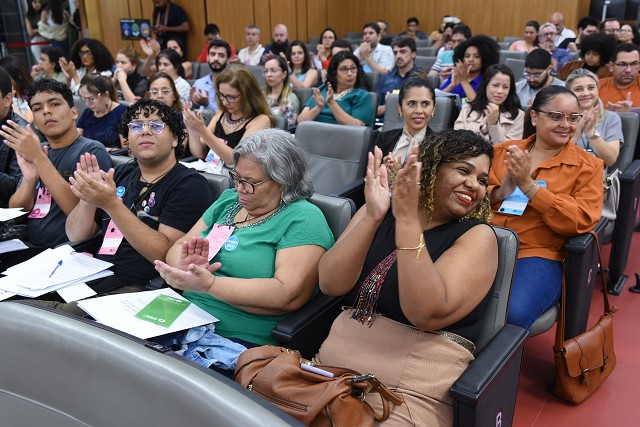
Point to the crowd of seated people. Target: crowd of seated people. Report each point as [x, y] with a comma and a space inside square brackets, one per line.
[511, 137]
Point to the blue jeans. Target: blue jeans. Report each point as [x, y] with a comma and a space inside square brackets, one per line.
[537, 283]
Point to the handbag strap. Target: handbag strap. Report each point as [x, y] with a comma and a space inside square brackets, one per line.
[563, 300]
[369, 383]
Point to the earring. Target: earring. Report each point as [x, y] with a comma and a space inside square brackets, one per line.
[400, 114]
[534, 124]
[433, 114]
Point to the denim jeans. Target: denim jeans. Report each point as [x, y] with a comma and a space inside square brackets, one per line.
[537, 283]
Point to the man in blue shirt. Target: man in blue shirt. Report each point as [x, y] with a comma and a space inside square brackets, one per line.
[404, 52]
[203, 92]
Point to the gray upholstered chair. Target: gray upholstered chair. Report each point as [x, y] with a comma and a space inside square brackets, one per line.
[510, 39]
[426, 51]
[59, 370]
[337, 157]
[504, 54]
[517, 66]
[425, 62]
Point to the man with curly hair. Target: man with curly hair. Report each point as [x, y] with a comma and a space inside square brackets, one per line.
[141, 207]
[44, 188]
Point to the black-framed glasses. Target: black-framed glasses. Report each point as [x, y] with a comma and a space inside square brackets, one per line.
[249, 187]
[136, 128]
[558, 116]
[229, 98]
[547, 35]
[624, 65]
[346, 70]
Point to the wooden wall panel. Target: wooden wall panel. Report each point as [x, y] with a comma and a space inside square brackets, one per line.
[307, 18]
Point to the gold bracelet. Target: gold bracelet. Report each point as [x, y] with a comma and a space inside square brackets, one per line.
[418, 248]
[526, 193]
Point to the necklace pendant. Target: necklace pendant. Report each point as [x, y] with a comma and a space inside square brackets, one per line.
[143, 190]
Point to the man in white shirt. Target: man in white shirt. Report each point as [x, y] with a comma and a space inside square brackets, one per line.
[557, 19]
[251, 54]
[373, 55]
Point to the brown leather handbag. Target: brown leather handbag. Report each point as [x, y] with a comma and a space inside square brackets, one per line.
[583, 362]
[307, 393]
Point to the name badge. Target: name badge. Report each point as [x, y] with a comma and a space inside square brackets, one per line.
[112, 240]
[43, 204]
[218, 235]
[517, 202]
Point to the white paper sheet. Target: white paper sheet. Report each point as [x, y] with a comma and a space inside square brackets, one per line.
[118, 311]
[76, 292]
[7, 214]
[5, 295]
[12, 246]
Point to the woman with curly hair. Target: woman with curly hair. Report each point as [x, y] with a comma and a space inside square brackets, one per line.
[380, 263]
[495, 113]
[472, 58]
[595, 53]
[88, 56]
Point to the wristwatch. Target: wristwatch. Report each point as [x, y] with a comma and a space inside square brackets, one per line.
[595, 135]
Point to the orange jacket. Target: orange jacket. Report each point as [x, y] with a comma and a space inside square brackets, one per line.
[570, 205]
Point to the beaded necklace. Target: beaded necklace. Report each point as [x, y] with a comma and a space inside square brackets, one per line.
[365, 305]
[233, 211]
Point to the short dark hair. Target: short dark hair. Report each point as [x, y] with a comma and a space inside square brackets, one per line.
[220, 43]
[342, 43]
[586, 21]
[416, 80]
[54, 54]
[413, 19]
[488, 49]
[607, 20]
[49, 86]
[211, 29]
[5, 83]
[332, 71]
[603, 44]
[532, 23]
[405, 42]
[462, 29]
[373, 25]
[539, 59]
[146, 107]
[624, 47]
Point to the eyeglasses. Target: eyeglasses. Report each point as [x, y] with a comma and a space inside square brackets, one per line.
[558, 116]
[87, 53]
[157, 92]
[612, 30]
[626, 30]
[328, 37]
[271, 70]
[136, 128]
[624, 65]
[249, 187]
[346, 70]
[90, 101]
[547, 35]
[535, 76]
[229, 98]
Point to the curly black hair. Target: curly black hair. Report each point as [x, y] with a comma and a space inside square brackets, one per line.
[448, 146]
[488, 49]
[102, 58]
[603, 44]
[48, 86]
[146, 107]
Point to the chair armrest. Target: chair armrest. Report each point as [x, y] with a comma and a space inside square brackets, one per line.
[631, 173]
[306, 328]
[120, 152]
[487, 390]
[354, 191]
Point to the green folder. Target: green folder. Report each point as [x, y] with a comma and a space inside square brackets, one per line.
[163, 310]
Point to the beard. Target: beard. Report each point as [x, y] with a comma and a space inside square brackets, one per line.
[279, 47]
[216, 67]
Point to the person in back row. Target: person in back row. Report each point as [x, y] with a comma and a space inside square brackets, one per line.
[537, 76]
[203, 92]
[404, 51]
[44, 189]
[9, 170]
[621, 91]
[372, 55]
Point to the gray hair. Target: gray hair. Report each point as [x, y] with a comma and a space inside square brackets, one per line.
[252, 27]
[281, 159]
[545, 25]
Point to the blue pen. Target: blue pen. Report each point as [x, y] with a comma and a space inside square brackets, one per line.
[54, 270]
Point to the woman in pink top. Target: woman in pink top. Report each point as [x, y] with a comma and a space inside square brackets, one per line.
[530, 40]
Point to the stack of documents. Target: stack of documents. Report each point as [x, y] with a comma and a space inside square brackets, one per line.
[7, 214]
[52, 270]
[146, 314]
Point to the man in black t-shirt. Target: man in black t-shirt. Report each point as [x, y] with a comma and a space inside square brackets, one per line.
[144, 206]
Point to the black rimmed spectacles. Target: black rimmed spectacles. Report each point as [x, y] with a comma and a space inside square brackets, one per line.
[249, 187]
